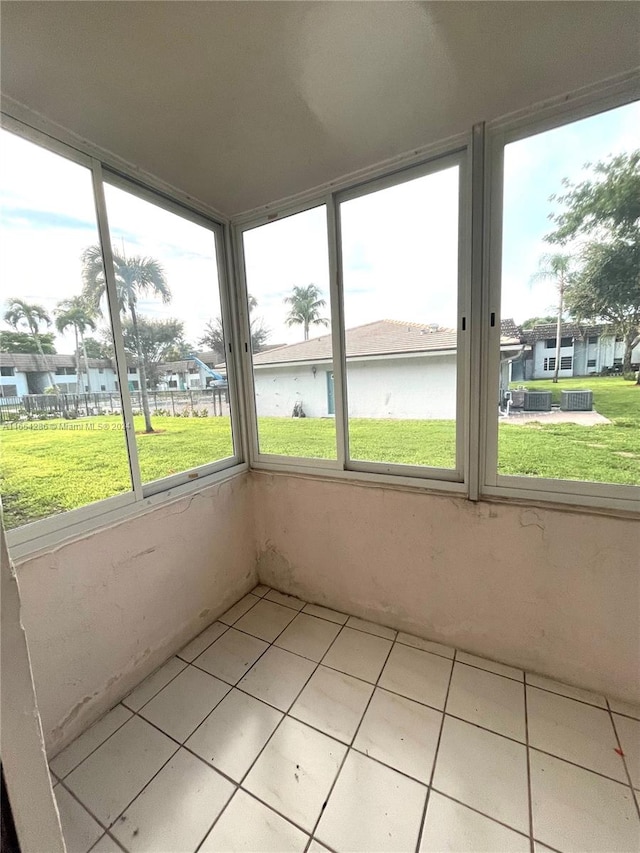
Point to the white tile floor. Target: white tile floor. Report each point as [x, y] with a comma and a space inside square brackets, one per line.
[291, 727]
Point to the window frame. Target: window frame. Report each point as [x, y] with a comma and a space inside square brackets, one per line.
[35, 536]
[459, 157]
[456, 153]
[530, 122]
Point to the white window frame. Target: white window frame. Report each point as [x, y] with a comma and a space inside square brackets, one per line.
[29, 539]
[562, 111]
[457, 152]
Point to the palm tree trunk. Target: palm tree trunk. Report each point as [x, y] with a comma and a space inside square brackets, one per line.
[78, 369]
[559, 327]
[36, 338]
[142, 373]
[86, 360]
[306, 330]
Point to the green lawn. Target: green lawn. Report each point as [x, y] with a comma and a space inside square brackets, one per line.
[53, 466]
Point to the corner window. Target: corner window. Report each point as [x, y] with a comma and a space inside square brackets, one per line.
[166, 275]
[61, 451]
[569, 248]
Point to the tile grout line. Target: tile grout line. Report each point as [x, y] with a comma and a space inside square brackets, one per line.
[636, 799]
[423, 817]
[349, 747]
[352, 741]
[528, 754]
[285, 714]
[478, 811]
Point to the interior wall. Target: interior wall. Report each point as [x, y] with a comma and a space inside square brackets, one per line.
[105, 610]
[553, 591]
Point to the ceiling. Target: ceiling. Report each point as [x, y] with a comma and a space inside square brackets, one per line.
[243, 103]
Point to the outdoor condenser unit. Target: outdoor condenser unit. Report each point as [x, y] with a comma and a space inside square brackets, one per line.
[537, 401]
[576, 401]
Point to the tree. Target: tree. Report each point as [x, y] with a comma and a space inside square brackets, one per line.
[532, 322]
[607, 289]
[96, 349]
[606, 207]
[159, 340]
[22, 313]
[604, 212]
[76, 313]
[213, 336]
[135, 277]
[305, 303]
[557, 268]
[21, 342]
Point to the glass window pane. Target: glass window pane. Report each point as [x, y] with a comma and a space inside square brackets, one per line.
[167, 280]
[568, 403]
[63, 440]
[287, 273]
[400, 274]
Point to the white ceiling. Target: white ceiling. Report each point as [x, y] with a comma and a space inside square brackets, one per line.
[242, 103]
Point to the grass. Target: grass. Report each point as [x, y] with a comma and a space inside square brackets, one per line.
[53, 466]
[603, 453]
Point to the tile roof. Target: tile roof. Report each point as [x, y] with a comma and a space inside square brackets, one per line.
[383, 337]
[543, 331]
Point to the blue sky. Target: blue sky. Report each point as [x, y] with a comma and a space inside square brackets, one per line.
[400, 245]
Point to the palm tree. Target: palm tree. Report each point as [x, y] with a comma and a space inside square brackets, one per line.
[30, 315]
[305, 303]
[557, 268]
[136, 276]
[78, 314]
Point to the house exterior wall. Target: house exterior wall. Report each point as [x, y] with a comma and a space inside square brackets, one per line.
[278, 389]
[413, 387]
[587, 358]
[20, 382]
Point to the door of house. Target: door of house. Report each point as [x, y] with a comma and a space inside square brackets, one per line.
[331, 403]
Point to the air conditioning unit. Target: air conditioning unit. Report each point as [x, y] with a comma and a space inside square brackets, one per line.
[537, 401]
[517, 398]
[576, 401]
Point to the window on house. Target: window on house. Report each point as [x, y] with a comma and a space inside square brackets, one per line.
[399, 255]
[617, 361]
[287, 278]
[165, 262]
[544, 243]
[8, 390]
[566, 342]
[7, 371]
[103, 387]
[101, 370]
[619, 339]
[60, 459]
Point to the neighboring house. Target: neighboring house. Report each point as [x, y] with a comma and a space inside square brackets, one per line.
[26, 373]
[394, 370]
[585, 351]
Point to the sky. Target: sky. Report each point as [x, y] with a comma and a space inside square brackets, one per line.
[399, 244]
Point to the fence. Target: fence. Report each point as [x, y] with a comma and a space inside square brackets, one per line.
[173, 403]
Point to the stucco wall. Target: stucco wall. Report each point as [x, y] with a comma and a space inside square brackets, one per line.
[417, 387]
[556, 592]
[104, 611]
[278, 389]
